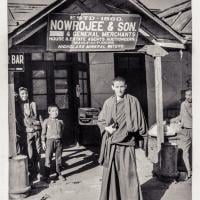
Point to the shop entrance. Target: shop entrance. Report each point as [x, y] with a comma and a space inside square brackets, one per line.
[61, 82]
[131, 66]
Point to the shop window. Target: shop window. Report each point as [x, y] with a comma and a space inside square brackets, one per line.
[36, 56]
[80, 74]
[83, 82]
[61, 86]
[49, 56]
[85, 86]
[84, 74]
[82, 57]
[38, 74]
[60, 73]
[60, 56]
[39, 86]
[41, 101]
[62, 101]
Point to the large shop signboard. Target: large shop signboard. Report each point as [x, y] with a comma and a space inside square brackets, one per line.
[92, 32]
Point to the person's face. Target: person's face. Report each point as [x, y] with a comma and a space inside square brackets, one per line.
[23, 94]
[53, 112]
[119, 87]
[188, 96]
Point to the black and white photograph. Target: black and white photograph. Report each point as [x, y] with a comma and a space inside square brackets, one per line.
[99, 99]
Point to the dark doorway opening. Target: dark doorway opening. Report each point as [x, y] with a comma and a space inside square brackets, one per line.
[131, 66]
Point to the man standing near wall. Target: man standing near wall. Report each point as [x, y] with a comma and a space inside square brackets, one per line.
[120, 120]
[185, 118]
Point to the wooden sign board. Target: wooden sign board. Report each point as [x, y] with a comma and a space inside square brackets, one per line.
[16, 62]
[92, 32]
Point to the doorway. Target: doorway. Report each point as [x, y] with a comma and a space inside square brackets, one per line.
[131, 66]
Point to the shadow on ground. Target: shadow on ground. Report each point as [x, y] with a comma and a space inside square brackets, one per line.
[154, 189]
[84, 160]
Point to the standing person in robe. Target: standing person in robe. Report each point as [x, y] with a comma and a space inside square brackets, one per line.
[185, 120]
[120, 120]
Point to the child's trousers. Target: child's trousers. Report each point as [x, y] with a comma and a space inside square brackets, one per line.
[51, 146]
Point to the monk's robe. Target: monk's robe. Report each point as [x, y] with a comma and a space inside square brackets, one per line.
[117, 155]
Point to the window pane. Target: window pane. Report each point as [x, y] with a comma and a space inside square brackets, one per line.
[80, 74]
[81, 85]
[81, 101]
[84, 58]
[85, 100]
[49, 56]
[62, 101]
[61, 56]
[84, 74]
[85, 86]
[41, 101]
[36, 56]
[39, 86]
[79, 57]
[38, 74]
[61, 86]
[60, 73]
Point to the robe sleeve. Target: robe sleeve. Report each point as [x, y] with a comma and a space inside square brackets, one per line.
[142, 125]
[102, 119]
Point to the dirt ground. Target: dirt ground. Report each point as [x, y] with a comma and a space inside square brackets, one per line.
[83, 179]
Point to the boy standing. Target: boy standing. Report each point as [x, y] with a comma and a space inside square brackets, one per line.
[52, 133]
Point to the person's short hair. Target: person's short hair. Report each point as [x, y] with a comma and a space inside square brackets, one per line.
[23, 89]
[52, 106]
[119, 78]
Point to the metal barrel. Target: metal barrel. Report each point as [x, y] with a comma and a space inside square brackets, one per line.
[18, 177]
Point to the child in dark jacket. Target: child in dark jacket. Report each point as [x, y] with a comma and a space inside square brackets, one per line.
[52, 133]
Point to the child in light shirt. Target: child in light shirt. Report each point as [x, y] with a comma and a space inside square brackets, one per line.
[52, 133]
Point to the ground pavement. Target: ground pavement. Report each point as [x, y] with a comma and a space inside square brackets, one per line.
[84, 180]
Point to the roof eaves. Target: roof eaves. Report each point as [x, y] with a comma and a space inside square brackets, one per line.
[154, 17]
[37, 17]
[172, 10]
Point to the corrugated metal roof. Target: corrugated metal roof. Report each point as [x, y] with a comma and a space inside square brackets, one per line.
[179, 17]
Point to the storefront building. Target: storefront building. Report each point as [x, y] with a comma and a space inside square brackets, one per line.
[83, 78]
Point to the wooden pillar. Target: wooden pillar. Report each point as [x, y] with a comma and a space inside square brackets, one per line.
[11, 115]
[159, 101]
[157, 52]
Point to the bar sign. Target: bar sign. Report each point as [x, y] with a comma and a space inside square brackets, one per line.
[16, 62]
